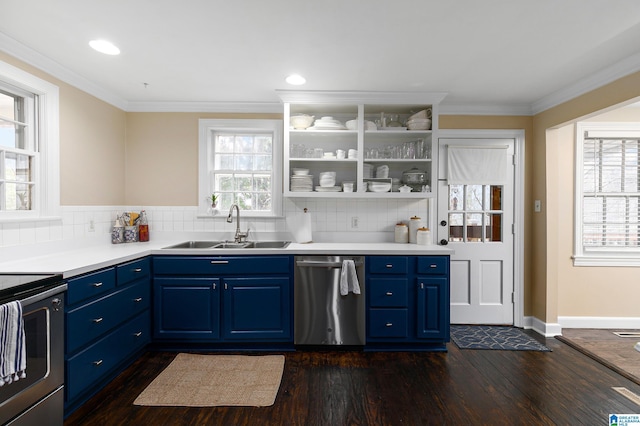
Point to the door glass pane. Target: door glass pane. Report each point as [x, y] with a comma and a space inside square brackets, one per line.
[495, 197]
[456, 221]
[474, 227]
[473, 198]
[455, 197]
[493, 223]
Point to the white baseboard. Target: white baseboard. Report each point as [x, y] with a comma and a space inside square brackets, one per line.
[541, 327]
[600, 322]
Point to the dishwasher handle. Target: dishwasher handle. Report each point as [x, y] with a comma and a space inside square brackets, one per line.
[322, 264]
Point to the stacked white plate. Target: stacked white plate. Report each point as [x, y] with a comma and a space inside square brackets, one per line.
[302, 183]
[328, 188]
[367, 170]
[327, 123]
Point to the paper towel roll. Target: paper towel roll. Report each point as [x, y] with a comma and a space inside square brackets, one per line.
[300, 227]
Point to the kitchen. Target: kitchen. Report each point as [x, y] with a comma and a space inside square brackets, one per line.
[122, 140]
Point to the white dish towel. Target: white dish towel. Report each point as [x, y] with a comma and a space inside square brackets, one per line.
[349, 278]
[13, 350]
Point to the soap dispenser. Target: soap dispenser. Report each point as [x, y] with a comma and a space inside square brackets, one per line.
[117, 233]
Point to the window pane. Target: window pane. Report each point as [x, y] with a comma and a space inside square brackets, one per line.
[263, 162]
[224, 162]
[17, 196]
[223, 182]
[474, 227]
[243, 183]
[262, 183]
[493, 225]
[262, 145]
[496, 198]
[456, 221]
[18, 167]
[224, 143]
[615, 210]
[263, 201]
[244, 200]
[592, 209]
[631, 179]
[244, 144]
[244, 162]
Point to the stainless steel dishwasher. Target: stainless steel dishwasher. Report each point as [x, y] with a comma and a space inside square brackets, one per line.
[322, 316]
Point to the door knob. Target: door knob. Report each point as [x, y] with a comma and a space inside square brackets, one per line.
[443, 223]
[443, 242]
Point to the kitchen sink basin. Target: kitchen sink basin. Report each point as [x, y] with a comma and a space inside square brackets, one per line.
[194, 245]
[229, 245]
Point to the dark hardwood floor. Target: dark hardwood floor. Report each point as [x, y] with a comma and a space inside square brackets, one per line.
[461, 387]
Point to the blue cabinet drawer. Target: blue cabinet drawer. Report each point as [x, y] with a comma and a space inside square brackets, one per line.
[389, 323]
[91, 285]
[388, 292]
[388, 264]
[89, 366]
[90, 321]
[221, 265]
[433, 265]
[129, 272]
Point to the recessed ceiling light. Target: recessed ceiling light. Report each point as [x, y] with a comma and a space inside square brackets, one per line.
[104, 46]
[296, 79]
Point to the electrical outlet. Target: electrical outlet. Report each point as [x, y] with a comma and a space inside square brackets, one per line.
[92, 225]
[354, 222]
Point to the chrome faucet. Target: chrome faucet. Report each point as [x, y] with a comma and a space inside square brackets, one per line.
[240, 236]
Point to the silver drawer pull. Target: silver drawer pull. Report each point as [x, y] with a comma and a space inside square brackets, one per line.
[97, 320]
[137, 299]
[138, 334]
[137, 270]
[389, 324]
[219, 262]
[389, 293]
[97, 363]
[389, 266]
[96, 285]
[433, 266]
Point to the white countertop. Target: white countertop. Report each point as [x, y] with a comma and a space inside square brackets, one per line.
[69, 262]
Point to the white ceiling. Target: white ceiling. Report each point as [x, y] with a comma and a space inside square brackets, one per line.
[500, 55]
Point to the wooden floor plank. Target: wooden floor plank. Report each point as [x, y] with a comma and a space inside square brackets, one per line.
[354, 388]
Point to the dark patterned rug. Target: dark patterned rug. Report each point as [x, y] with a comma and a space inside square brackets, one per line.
[494, 337]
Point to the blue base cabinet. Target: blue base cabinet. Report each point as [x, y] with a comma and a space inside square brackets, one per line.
[108, 324]
[407, 303]
[223, 300]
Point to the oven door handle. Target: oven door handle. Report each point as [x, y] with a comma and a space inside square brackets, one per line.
[43, 295]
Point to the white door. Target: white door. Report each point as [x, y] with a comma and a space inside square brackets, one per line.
[475, 218]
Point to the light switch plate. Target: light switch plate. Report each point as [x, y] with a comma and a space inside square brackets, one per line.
[537, 206]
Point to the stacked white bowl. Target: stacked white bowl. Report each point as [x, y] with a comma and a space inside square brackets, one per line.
[327, 179]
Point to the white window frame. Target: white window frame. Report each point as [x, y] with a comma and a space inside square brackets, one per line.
[46, 196]
[207, 127]
[598, 256]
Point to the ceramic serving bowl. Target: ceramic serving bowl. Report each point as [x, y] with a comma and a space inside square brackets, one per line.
[302, 121]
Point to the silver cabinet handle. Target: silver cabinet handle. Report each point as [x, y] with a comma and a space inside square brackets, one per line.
[97, 363]
[389, 324]
[389, 266]
[137, 299]
[389, 293]
[137, 270]
[97, 320]
[433, 266]
[96, 285]
[214, 286]
[421, 286]
[226, 286]
[219, 262]
[138, 334]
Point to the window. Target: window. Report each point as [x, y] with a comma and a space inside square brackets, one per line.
[240, 162]
[608, 194]
[29, 146]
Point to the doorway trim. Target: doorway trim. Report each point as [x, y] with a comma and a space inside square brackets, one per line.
[518, 214]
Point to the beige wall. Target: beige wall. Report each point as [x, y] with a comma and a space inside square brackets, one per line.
[162, 157]
[552, 295]
[92, 145]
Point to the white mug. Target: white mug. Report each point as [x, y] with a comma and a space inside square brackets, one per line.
[340, 154]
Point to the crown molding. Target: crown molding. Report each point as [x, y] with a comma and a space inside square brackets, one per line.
[467, 109]
[25, 54]
[230, 107]
[607, 75]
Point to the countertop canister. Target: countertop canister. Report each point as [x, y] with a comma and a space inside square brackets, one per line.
[401, 233]
[414, 223]
[423, 236]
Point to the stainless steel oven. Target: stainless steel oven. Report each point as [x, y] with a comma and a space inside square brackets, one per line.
[37, 399]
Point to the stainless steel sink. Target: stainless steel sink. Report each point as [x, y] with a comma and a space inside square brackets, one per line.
[229, 245]
[194, 245]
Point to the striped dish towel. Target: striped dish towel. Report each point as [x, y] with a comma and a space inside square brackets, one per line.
[13, 351]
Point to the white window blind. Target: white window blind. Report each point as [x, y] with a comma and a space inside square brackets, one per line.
[476, 165]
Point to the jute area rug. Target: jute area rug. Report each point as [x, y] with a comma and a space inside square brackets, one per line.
[193, 380]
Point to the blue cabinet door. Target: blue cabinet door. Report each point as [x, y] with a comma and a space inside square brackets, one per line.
[186, 308]
[432, 312]
[257, 309]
